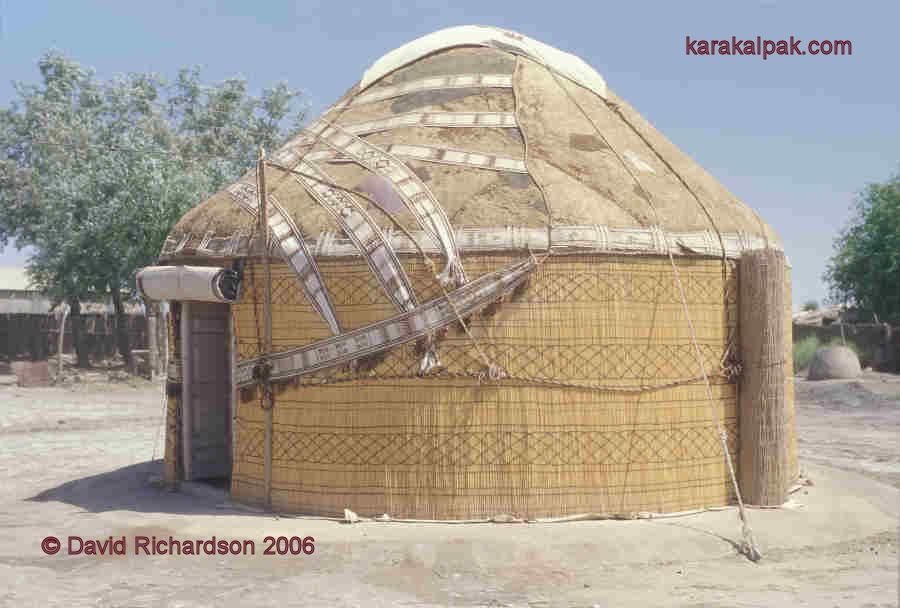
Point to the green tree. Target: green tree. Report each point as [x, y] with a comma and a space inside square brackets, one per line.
[810, 305]
[865, 269]
[94, 174]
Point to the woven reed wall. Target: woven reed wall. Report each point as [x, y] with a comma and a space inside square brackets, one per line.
[448, 448]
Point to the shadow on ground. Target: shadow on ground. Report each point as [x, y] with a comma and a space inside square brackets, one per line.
[132, 488]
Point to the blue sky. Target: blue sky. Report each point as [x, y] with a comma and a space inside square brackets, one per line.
[796, 137]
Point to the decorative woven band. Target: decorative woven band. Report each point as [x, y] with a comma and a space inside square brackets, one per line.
[434, 119]
[409, 187]
[399, 121]
[397, 330]
[433, 83]
[562, 240]
[447, 156]
[368, 238]
[293, 249]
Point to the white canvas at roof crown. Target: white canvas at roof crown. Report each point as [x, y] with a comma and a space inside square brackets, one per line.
[566, 64]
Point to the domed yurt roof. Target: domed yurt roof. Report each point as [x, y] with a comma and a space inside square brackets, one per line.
[519, 143]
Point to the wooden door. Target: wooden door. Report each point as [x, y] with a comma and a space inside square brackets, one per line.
[209, 386]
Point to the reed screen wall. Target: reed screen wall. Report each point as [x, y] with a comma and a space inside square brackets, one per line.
[603, 411]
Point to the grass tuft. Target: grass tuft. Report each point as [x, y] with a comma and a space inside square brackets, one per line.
[803, 352]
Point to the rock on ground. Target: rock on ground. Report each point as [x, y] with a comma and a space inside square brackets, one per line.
[833, 363]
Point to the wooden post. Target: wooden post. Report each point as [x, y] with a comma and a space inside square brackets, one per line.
[152, 309]
[764, 433]
[162, 337]
[61, 338]
[268, 394]
[174, 396]
[186, 381]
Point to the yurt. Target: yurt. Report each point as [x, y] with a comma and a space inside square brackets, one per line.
[480, 283]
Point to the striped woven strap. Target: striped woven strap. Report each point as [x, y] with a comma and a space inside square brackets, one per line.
[397, 330]
[432, 83]
[293, 250]
[409, 187]
[434, 119]
[370, 241]
[446, 156]
[416, 119]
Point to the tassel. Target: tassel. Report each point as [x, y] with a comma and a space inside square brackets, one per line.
[461, 327]
[426, 347]
[429, 362]
[445, 277]
[520, 289]
[451, 276]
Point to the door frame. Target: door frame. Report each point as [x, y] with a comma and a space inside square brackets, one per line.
[187, 409]
[187, 417]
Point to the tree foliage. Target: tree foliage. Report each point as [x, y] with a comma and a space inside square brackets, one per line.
[810, 305]
[865, 269]
[93, 174]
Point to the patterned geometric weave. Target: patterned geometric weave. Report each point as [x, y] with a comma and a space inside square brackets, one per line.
[594, 447]
[616, 364]
[598, 337]
[382, 439]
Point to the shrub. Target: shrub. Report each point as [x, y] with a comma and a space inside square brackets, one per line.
[803, 351]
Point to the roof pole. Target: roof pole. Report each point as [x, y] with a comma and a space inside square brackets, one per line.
[268, 399]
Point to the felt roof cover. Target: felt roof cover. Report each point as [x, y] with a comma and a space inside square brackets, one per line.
[502, 131]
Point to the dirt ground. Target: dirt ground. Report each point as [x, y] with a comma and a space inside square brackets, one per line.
[75, 460]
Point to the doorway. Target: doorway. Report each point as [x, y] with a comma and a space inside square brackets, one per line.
[207, 410]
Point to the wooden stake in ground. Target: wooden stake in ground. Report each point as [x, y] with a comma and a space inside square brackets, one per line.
[60, 338]
[764, 431]
[152, 311]
[268, 394]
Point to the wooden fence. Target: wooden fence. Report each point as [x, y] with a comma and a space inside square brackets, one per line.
[35, 337]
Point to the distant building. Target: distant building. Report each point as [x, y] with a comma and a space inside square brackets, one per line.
[29, 325]
[18, 295]
[819, 317]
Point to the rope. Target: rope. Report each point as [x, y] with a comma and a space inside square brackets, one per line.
[525, 145]
[634, 422]
[618, 111]
[503, 518]
[486, 374]
[749, 544]
[316, 139]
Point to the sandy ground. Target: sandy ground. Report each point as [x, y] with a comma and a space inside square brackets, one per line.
[74, 461]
